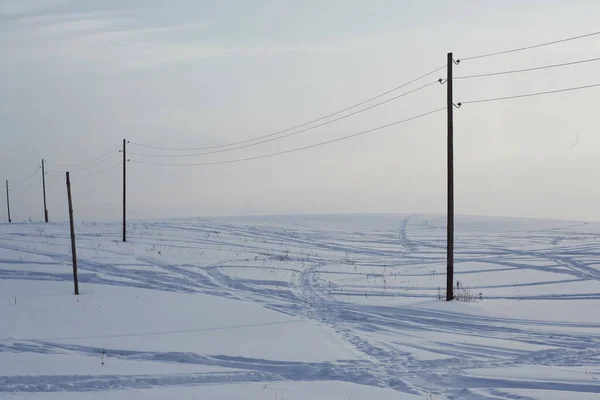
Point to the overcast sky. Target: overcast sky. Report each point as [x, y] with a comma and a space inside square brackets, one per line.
[79, 76]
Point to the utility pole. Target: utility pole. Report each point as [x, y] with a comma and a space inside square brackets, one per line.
[44, 188]
[450, 159]
[124, 191]
[8, 202]
[73, 249]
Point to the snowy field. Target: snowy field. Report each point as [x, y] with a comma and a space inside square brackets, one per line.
[301, 307]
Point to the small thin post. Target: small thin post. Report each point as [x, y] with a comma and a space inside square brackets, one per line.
[8, 202]
[450, 159]
[73, 249]
[44, 189]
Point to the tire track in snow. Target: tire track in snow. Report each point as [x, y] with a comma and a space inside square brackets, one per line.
[243, 369]
[95, 383]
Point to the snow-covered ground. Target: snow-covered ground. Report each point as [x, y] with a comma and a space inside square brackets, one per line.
[301, 307]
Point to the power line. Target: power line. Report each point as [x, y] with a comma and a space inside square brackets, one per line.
[101, 171]
[528, 69]
[97, 163]
[56, 173]
[299, 148]
[107, 157]
[84, 162]
[26, 189]
[289, 134]
[297, 126]
[530, 47]
[529, 94]
[27, 178]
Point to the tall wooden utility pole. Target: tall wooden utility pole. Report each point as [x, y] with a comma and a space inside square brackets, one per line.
[73, 249]
[8, 202]
[124, 192]
[44, 189]
[450, 224]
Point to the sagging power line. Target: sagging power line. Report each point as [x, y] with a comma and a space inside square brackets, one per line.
[289, 134]
[298, 148]
[101, 171]
[301, 125]
[516, 71]
[22, 181]
[113, 151]
[529, 94]
[535, 46]
[105, 158]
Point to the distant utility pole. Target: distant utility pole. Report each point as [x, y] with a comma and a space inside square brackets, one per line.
[72, 225]
[124, 190]
[450, 159]
[8, 202]
[44, 187]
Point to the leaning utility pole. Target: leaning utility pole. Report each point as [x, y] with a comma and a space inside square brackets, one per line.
[8, 202]
[44, 188]
[72, 226]
[124, 192]
[450, 159]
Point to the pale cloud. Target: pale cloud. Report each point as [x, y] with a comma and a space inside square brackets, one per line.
[16, 7]
[104, 41]
[78, 26]
[31, 20]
